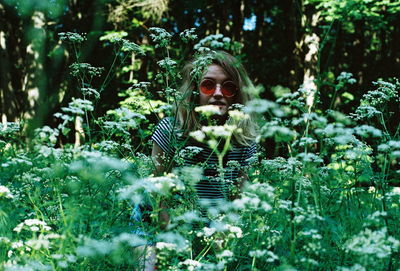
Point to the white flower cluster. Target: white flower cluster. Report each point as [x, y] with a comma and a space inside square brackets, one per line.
[216, 41]
[269, 256]
[214, 132]
[190, 264]
[165, 184]
[373, 243]
[260, 106]
[251, 201]
[392, 147]
[198, 135]
[160, 36]
[227, 254]
[33, 225]
[160, 185]
[171, 241]
[356, 267]
[78, 107]
[234, 231]
[94, 247]
[208, 110]
[237, 115]
[166, 63]
[5, 192]
[47, 135]
[207, 232]
[189, 152]
[273, 129]
[188, 35]
[313, 233]
[224, 131]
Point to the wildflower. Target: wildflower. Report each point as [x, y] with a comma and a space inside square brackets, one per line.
[190, 151]
[114, 36]
[160, 36]
[141, 85]
[261, 106]
[190, 175]
[225, 254]
[313, 233]
[38, 244]
[130, 239]
[90, 92]
[163, 245]
[269, 256]
[278, 132]
[128, 46]
[71, 37]
[198, 135]
[208, 110]
[166, 63]
[188, 35]
[33, 225]
[346, 77]
[191, 265]
[367, 131]
[170, 240]
[216, 41]
[365, 111]
[85, 68]
[237, 115]
[206, 232]
[17, 244]
[164, 184]
[78, 107]
[304, 141]
[93, 247]
[190, 217]
[375, 218]
[356, 267]
[5, 192]
[235, 231]
[309, 158]
[223, 131]
[375, 243]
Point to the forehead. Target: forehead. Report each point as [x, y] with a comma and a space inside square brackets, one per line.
[216, 72]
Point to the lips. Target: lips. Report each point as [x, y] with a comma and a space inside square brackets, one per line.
[219, 103]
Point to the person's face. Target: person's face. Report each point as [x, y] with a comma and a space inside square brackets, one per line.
[216, 78]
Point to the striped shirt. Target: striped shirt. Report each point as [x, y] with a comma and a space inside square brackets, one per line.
[212, 187]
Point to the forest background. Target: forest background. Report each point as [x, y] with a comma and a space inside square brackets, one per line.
[283, 45]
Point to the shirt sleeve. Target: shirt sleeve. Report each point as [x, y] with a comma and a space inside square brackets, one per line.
[165, 137]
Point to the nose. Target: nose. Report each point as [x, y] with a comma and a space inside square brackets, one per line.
[218, 91]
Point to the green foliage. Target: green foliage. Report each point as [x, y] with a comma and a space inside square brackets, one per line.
[329, 203]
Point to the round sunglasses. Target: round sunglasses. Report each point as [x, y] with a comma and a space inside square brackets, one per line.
[228, 88]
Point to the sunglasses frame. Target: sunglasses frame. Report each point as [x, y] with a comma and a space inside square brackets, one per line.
[221, 87]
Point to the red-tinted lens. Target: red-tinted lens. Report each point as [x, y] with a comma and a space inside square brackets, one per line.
[207, 87]
[228, 89]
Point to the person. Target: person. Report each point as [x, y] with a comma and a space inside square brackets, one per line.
[220, 84]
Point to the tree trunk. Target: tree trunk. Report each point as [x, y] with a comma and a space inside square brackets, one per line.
[11, 64]
[294, 9]
[259, 23]
[311, 49]
[237, 10]
[79, 133]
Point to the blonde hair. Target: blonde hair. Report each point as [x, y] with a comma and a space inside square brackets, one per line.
[188, 119]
